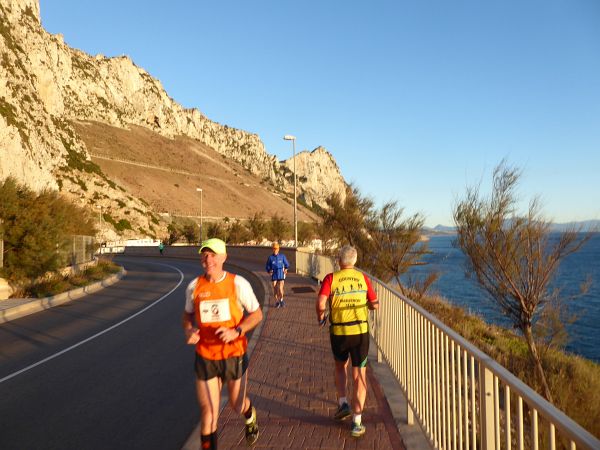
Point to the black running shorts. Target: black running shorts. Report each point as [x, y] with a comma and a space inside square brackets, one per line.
[355, 345]
[226, 369]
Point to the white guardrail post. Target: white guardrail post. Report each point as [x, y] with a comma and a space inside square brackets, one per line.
[486, 408]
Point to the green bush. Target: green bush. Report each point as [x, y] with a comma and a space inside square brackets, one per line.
[36, 228]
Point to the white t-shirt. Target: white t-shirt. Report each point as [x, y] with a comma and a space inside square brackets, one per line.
[244, 293]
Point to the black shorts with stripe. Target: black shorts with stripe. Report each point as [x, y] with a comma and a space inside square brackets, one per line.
[226, 369]
[354, 345]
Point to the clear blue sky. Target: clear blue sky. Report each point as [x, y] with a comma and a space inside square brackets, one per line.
[416, 100]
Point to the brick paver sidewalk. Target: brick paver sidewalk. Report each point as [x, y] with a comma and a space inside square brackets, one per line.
[291, 385]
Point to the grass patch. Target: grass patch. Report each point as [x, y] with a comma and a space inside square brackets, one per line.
[58, 284]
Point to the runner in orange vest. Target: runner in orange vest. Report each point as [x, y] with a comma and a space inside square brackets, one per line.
[349, 294]
[216, 302]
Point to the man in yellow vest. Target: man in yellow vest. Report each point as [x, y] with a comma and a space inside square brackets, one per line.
[216, 302]
[349, 294]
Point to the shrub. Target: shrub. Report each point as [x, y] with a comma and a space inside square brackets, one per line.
[57, 284]
[36, 227]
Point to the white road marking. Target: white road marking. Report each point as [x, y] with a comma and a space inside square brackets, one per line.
[68, 349]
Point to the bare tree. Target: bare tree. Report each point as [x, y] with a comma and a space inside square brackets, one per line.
[389, 245]
[349, 220]
[398, 247]
[514, 258]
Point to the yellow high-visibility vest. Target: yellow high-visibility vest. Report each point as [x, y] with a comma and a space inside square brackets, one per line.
[348, 303]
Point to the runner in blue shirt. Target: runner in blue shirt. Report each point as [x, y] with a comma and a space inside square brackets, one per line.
[277, 266]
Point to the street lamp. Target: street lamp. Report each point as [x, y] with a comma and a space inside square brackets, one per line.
[289, 137]
[100, 224]
[200, 190]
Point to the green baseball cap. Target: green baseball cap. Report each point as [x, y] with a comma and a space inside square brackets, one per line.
[214, 244]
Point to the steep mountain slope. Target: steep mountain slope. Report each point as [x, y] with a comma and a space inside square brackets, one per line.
[166, 173]
[46, 87]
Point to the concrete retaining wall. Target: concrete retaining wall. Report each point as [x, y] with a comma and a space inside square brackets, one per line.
[240, 252]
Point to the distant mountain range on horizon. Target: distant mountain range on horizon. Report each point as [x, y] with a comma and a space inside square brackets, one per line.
[585, 225]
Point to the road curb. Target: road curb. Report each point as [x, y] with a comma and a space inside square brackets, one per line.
[19, 307]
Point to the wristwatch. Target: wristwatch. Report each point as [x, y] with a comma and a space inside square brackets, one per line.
[239, 330]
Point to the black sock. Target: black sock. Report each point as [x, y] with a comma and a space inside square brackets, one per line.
[248, 413]
[206, 440]
[209, 441]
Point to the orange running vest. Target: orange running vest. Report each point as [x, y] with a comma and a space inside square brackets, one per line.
[216, 305]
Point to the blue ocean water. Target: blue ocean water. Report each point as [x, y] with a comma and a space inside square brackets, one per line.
[584, 334]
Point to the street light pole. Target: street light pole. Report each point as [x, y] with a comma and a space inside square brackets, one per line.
[200, 190]
[100, 224]
[289, 137]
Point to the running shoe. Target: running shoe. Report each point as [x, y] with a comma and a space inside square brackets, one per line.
[282, 304]
[358, 429]
[252, 429]
[277, 304]
[343, 412]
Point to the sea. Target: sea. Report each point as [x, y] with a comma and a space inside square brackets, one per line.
[575, 269]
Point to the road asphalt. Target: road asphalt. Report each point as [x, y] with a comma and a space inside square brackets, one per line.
[290, 376]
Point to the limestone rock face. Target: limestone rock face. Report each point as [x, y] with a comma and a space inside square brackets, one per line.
[318, 174]
[44, 84]
[29, 150]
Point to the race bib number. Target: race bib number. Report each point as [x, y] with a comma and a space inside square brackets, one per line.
[212, 311]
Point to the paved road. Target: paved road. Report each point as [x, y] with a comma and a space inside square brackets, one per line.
[107, 371]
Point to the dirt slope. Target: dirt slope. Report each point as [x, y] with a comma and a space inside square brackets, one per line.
[229, 190]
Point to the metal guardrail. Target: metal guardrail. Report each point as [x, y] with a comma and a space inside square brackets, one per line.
[460, 396]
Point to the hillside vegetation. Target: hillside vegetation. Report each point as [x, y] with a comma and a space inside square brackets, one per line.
[574, 381]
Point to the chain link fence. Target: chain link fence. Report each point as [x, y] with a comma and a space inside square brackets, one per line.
[74, 250]
[77, 249]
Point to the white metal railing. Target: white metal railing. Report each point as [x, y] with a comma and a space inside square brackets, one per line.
[460, 396]
[315, 266]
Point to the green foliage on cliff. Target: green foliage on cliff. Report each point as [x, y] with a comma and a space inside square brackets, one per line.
[10, 114]
[388, 243]
[121, 225]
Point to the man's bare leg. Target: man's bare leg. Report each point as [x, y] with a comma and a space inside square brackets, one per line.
[209, 397]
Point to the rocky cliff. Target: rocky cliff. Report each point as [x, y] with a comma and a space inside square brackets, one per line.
[46, 85]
